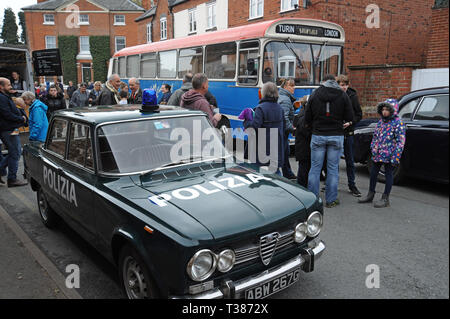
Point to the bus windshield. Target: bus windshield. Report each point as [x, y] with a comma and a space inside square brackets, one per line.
[306, 63]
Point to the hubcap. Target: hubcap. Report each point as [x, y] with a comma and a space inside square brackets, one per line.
[133, 277]
[42, 201]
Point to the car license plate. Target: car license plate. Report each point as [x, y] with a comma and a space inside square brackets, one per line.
[268, 288]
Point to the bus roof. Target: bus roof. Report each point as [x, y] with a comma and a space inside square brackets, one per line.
[250, 31]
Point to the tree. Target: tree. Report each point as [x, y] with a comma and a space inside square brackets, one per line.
[23, 35]
[9, 30]
[138, 2]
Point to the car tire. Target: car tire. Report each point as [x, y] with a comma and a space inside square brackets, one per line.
[48, 216]
[134, 275]
[398, 173]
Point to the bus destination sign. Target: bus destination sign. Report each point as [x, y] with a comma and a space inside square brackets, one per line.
[308, 30]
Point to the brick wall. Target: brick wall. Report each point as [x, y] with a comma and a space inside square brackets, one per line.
[437, 56]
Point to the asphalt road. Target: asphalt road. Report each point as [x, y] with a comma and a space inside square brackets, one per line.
[408, 243]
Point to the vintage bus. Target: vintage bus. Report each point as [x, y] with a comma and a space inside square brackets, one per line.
[238, 61]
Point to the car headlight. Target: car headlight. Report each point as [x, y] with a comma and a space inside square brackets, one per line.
[300, 233]
[202, 265]
[226, 260]
[314, 224]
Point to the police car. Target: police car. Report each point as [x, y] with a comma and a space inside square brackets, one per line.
[195, 225]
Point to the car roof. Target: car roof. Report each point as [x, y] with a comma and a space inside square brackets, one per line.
[427, 91]
[116, 113]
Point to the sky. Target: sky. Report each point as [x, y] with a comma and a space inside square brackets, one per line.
[15, 5]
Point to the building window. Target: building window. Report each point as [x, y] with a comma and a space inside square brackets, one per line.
[49, 19]
[84, 45]
[287, 5]
[211, 13]
[192, 21]
[50, 42]
[119, 20]
[149, 33]
[163, 28]
[84, 19]
[120, 43]
[256, 9]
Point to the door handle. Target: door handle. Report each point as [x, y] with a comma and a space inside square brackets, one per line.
[413, 125]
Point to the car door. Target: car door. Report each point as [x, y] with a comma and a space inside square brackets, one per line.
[53, 156]
[428, 134]
[78, 174]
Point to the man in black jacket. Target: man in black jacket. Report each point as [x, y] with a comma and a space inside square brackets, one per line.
[344, 83]
[10, 120]
[328, 113]
[110, 92]
[54, 100]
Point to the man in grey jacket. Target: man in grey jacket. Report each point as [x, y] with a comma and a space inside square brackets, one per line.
[80, 97]
[175, 99]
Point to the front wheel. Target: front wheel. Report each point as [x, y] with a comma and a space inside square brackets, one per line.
[48, 215]
[134, 275]
[397, 174]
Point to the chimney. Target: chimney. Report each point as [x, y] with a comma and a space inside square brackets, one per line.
[147, 4]
[39, 1]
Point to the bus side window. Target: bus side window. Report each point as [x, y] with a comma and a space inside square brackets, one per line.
[248, 63]
[148, 65]
[122, 67]
[221, 61]
[190, 60]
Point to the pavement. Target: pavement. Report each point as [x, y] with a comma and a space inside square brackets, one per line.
[21, 276]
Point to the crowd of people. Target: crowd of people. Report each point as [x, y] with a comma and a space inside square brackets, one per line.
[324, 128]
[323, 125]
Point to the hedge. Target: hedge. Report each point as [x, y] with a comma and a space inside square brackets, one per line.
[68, 48]
[101, 53]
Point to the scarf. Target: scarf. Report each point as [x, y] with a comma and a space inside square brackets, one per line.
[112, 89]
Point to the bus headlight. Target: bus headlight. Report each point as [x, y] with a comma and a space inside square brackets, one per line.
[226, 260]
[300, 233]
[202, 265]
[314, 224]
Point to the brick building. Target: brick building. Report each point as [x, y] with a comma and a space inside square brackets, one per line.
[49, 19]
[380, 54]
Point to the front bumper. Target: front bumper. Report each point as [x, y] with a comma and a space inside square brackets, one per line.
[236, 289]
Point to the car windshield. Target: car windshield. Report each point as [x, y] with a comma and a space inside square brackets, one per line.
[145, 145]
[306, 63]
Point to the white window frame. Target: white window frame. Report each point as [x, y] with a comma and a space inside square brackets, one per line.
[290, 5]
[47, 37]
[117, 38]
[211, 16]
[163, 28]
[256, 4]
[149, 33]
[192, 20]
[83, 22]
[49, 22]
[89, 48]
[120, 22]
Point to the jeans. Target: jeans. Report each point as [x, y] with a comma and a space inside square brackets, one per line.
[12, 142]
[332, 146]
[374, 177]
[349, 161]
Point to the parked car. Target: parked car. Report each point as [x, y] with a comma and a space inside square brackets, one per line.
[426, 116]
[202, 226]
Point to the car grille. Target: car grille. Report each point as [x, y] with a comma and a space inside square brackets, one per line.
[265, 249]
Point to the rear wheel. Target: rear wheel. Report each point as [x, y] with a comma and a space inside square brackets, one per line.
[48, 215]
[134, 275]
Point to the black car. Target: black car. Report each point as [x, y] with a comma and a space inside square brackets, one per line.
[425, 114]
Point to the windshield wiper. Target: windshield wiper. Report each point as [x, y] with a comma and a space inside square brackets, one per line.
[317, 60]
[299, 61]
